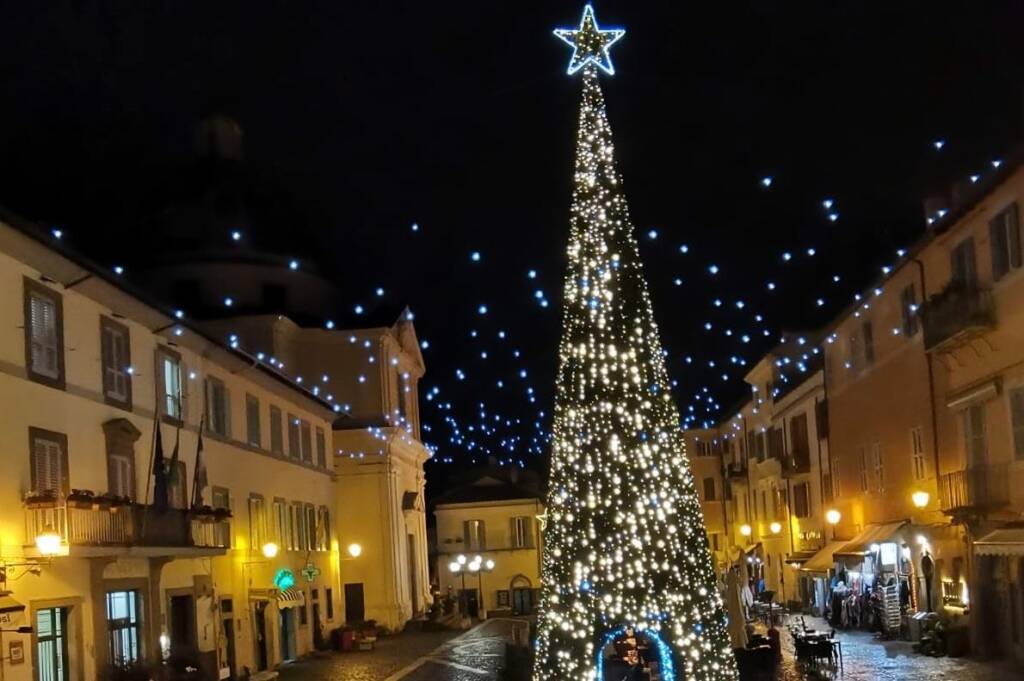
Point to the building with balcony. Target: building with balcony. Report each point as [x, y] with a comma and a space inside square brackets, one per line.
[704, 448]
[496, 514]
[372, 374]
[228, 561]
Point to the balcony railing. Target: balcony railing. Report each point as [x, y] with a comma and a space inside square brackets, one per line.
[124, 525]
[796, 465]
[954, 316]
[736, 471]
[975, 488]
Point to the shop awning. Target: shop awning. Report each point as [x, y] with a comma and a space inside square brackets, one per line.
[290, 598]
[822, 561]
[800, 557]
[873, 534]
[1008, 541]
[751, 548]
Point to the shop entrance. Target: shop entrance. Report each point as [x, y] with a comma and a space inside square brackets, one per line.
[181, 617]
[259, 612]
[287, 621]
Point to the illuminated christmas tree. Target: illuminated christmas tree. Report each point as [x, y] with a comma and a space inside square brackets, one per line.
[625, 544]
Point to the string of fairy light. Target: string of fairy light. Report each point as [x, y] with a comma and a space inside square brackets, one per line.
[468, 414]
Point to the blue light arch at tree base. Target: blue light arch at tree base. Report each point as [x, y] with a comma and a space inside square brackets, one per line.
[666, 667]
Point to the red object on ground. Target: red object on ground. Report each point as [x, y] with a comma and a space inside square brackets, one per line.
[346, 639]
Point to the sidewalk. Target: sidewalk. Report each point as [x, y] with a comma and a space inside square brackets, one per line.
[867, 659]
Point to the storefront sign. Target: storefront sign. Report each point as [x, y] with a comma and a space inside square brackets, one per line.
[284, 579]
[889, 553]
[310, 572]
[16, 652]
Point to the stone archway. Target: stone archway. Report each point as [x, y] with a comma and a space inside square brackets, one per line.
[666, 667]
[522, 595]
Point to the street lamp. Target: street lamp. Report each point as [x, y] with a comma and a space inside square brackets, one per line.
[48, 542]
[745, 530]
[479, 566]
[775, 527]
[456, 568]
[920, 498]
[832, 517]
[355, 550]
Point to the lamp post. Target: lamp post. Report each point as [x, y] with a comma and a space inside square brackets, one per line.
[457, 567]
[832, 517]
[480, 566]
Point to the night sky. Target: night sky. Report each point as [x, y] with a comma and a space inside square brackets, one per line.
[460, 118]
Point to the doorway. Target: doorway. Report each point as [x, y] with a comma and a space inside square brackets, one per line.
[287, 621]
[259, 614]
[470, 602]
[355, 609]
[228, 632]
[318, 631]
[522, 601]
[181, 616]
[52, 660]
[413, 591]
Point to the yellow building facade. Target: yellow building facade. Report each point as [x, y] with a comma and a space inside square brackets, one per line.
[497, 517]
[373, 375]
[87, 368]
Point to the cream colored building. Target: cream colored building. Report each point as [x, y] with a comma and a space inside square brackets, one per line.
[704, 450]
[84, 363]
[497, 515]
[373, 375]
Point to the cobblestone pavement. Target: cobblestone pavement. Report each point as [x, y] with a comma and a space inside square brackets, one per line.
[476, 655]
[868, 659]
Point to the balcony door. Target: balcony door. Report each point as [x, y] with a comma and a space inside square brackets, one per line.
[975, 437]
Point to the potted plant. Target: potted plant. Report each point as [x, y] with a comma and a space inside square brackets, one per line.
[45, 499]
[204, 514]
[81, 498]
[221, 514]
[118, 503]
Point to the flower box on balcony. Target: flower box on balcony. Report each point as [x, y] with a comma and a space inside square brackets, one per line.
[207, 514]
[112, 502]
[82, 499]
[222, 514]
[39, 500]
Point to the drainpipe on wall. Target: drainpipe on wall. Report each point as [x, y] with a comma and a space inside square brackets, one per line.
[931, 381]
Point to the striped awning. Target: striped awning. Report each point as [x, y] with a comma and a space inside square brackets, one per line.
[291, 598]
[822, 561]
[1007, 541]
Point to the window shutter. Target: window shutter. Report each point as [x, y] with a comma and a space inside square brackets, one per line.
[465, 534]
[107, 352]
[1013, 237]
[998, 239]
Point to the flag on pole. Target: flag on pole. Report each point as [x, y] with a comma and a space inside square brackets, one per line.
[159, 472]
[200, 481]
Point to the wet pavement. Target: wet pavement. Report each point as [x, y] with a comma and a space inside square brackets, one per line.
[475, 655]
[866, 658]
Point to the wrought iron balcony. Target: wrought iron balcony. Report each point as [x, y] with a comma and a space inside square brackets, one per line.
[797, 464]
[956, 315]
[976, 488]
[736, 471]
[97, 523]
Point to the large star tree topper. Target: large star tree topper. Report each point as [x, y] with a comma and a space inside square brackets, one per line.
[590, 44]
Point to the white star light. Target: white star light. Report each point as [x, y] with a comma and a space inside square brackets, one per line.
[590, 44]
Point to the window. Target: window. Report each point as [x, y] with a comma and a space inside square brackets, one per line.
[709, 489]
[473, 534]
[917, 452]
[116, 359]
[121, 474]
[222, 531]
[908, 310]
[49, 461]
[252, 421]
[862, 468]
[294, 447]
[522, 532]
[298, 526]
[307, 442]
[868, 342]
[321, 448]
[44, 334]
[177, 483]
[282, 535]
[827, 488]
[323, 529]
[776, 444]
[1017, 421]
[257, 522]
[218, 417]
[963, 270]
[123, 628]
[329, 597]
[303, 613]
[311, 527]
[798, 441]
[976, 445]
[878, 465]
[168, 372]
[276, 436]
[1004, 235]
[802, 500]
